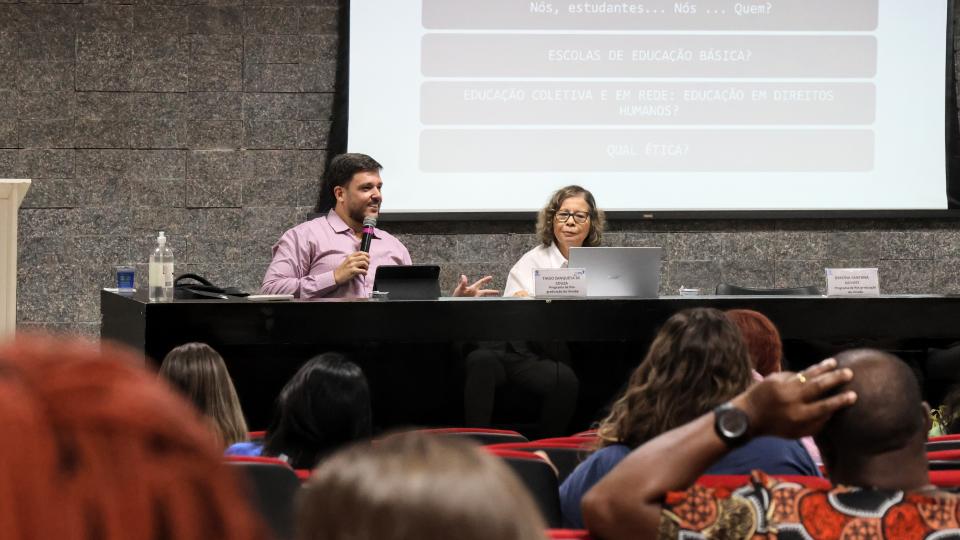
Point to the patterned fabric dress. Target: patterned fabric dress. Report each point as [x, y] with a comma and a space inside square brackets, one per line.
[768, 508]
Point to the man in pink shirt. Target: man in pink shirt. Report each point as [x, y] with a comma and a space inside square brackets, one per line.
[322, 259]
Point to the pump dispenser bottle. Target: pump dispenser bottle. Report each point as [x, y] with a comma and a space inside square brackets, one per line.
[161, 272]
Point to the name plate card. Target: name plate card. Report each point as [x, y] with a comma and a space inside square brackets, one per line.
[559, 282]
[853, 282]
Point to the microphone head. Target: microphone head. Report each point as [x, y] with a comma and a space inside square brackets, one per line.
[370, 221]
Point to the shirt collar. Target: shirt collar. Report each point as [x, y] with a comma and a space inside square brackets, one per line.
[339, 226]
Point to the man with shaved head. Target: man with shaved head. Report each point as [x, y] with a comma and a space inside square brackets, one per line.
[865, 409]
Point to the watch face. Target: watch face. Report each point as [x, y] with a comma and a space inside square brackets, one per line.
[733, 423]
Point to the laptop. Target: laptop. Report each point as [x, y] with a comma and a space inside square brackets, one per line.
[408, 282]
[619, 271]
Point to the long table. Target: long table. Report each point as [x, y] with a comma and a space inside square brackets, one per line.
[411, 342]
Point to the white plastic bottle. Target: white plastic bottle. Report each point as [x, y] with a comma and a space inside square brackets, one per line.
[161, 272]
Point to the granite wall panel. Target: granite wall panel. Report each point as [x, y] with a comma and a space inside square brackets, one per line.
[209, 119]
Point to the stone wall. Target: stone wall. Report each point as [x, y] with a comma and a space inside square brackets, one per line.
[211, 122]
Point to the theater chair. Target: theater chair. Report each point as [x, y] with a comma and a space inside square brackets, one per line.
[480, 435]
[538, 476]
[568, 534]
[945, 479]
[273, 488]
[943, 442]
[565, 456]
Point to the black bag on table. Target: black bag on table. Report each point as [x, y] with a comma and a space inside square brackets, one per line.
[194, 287]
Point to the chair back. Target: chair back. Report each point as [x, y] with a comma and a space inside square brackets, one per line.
[565, 456]
[480, 435]
[568, 534]
[539, 478]
[274, 487]
[725, 289]
[945, 479]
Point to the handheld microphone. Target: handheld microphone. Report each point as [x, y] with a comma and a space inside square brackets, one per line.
[369, 223]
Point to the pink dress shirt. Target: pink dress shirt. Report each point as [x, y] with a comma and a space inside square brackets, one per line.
[305, 257]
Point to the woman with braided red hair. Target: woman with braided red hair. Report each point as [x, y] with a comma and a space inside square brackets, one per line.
[97, 448]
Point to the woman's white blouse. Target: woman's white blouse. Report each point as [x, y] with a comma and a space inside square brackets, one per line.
[521, 275]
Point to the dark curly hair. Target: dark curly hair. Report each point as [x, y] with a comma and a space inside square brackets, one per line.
[696, 362]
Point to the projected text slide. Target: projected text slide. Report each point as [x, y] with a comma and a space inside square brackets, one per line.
[525, 86]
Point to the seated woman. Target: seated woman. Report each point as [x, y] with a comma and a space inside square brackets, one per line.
[323, 407]
[198, 372]
[570, 219]
[696, 363]
[765, 348]
[414, 486]
[762, 339]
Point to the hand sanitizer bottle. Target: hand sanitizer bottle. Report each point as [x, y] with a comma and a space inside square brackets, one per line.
[161, 272]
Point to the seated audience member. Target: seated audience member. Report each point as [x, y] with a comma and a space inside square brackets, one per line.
[763, 343]
[324, 406]
[97, 448]
[696, 362]
[570, 219]
[413, 486]
[198, 372]
[762, 339]
[946, 418]
[865, 410]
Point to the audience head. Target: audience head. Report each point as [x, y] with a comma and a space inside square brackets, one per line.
[412, 486]
[98, 448]
[888, 416]
[579, 203]
[199, 373]
[761, 338]
[339, 173]
[324, 406]
[696, 362]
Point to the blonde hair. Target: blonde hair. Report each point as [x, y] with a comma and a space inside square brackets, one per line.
[199, 373]
[545, 218]
[412, 486]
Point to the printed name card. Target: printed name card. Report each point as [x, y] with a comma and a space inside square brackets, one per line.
[853, 282]
[559, 282]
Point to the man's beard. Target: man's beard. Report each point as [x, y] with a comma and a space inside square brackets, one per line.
[358, 214]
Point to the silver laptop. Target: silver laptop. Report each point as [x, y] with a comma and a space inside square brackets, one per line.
[619, 271]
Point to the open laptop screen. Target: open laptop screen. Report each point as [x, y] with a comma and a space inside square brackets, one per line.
[619, 271]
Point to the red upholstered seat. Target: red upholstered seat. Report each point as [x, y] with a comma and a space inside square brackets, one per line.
[481, 435]
[568, 534]
[565, 455]
[538, 477]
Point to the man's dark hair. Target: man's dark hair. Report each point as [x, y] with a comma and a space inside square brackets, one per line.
[339, 173]
[887, 415]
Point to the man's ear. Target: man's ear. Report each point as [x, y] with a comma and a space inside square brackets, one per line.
[338, 193]
[927, 417]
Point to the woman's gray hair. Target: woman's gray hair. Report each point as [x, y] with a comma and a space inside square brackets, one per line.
[545, 219]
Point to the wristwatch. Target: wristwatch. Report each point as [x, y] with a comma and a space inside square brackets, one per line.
[731, 424]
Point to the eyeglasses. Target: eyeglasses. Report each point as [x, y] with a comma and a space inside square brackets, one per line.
[579, 217]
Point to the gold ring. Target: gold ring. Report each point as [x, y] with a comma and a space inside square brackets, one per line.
[800, 377]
